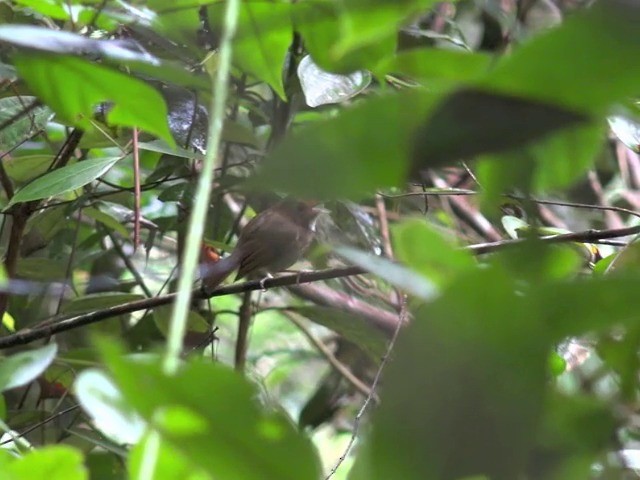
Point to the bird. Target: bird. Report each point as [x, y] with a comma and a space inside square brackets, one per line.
[272, 241]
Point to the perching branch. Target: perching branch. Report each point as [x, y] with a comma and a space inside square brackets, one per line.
[54, 326]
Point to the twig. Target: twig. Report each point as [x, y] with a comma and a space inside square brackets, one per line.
[244, 321]
[587, 236]
[383, 320]
[53, 326]
[136, 192]
[341, 368]
[356, 423]
[129, 264]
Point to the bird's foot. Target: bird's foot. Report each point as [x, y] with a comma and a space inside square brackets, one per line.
[267, 277]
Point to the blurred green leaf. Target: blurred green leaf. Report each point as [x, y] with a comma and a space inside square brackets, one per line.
[171, 463]
[262, 39]
[195, 321]
[209, 413]
[64, 179]
[73, 87]
[597, 303]
[434, 67]
[107, 220]
[103, 402]
[573, 431]
[357, 330]
[37, 268]
[470, 122]
[99, 301]
[587, 64]
[424, 250]
[321, 26]
[476, 403]
[57, 462]
[394, 273]
[118, 52]
[24, 367]
[364, 148]
[353, 34]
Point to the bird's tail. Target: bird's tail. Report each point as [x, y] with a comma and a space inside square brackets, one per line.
[213, 274]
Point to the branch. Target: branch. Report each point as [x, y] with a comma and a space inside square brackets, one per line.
[53, 326]
[386, 321]
[586, 236]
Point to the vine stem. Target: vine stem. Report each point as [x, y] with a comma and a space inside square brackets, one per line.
[195, 232]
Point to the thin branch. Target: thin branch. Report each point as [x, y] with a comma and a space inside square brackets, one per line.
[18, 115]
[244, 321]
[402, 318]
[137, 192]
[129, 264]
[587, 236]
[55, 325]
[341, 368]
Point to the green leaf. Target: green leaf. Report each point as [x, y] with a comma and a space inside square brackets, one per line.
[171, 463]
[73, 87]
[364, 148]
[209, 413]
[470, 122]
[574, 431]
[99, 301]
[554, 162]
[587, 64]
[319, 22]
[27, 167]
[59, 462]
[365, 22]
[49, 8]
[262, 39]
[397, 275]
[195, 321]
[118, 53]
[596, 304]
[434, 67]
[24, 127]
[103, 402]
[22, 368]
[344, 36]
[475, 405]
[424, 250]
[107, 220]
[38, 268]
[357, 330]
[64, 179]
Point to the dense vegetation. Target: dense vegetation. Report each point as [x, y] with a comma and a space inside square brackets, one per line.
[468, 309]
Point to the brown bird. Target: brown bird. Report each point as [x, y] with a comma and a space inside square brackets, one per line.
[272, 241]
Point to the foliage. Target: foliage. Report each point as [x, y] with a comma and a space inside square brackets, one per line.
[463, 153]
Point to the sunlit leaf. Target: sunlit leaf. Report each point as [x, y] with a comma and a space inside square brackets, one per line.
[73, 87]
[21, 368]
[396, 274]
[227, 435]
[105, 405]
[64, 179]
[54, 462]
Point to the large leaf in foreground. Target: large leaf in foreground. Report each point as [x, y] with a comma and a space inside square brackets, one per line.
[64, 179]
[73, 87]
[474, 404]
[209, 413]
